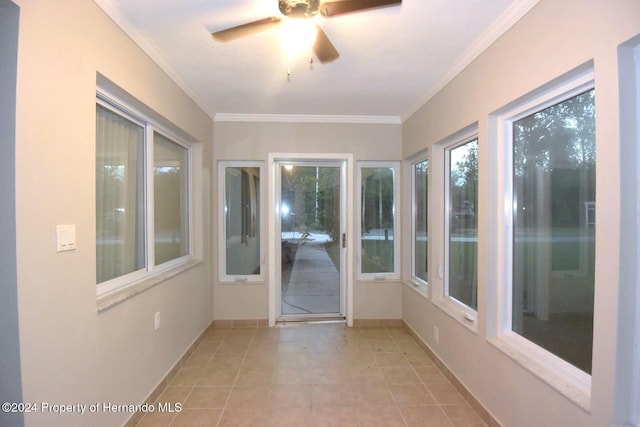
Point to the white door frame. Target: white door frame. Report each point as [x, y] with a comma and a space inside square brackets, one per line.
[273, 219]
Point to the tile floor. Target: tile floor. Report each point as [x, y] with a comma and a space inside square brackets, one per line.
[311, 375]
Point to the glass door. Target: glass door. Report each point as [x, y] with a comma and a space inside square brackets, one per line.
[311, 223]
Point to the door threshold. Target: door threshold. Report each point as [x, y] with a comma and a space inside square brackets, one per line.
[307, 321]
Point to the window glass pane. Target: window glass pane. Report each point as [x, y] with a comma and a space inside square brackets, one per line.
[120, 229]
[171, 199]
[377, 220]
[242, 220]
[554, 228]
[463, 223]
[421, 204]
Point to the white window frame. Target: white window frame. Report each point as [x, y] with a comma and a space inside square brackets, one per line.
[569, 380]
[439, 170]
[395, 274]
[222, 224]
[420, 285]
[151, 271]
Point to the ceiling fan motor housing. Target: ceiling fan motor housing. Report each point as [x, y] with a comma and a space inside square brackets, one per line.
[299, 8]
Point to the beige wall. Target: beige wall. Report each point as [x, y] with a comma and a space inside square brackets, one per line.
[552, 39]
[70, 353]
[254, 141]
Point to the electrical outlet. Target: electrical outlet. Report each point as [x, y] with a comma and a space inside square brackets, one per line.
[156, 321]
[436, 334]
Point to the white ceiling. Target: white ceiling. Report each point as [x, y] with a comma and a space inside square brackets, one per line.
[392, 60]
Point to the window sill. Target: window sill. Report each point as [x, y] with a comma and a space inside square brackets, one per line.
[569, 381]
[464, 315]
[114, 298]
[420, 289]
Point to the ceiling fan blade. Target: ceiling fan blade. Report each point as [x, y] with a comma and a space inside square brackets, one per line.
[323, 48]
[248, 29]
[334, 8]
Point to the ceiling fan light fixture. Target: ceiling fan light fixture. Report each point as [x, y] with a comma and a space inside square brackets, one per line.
[298, 36]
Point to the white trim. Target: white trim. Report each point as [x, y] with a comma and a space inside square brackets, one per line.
[273, 215]
[391, 275]
[299, 118]
[569, 380]
[112, 9]
[419, 285]
[438, 228]
[150, 272]
[627, 385]
[222, 225]
[500, 26]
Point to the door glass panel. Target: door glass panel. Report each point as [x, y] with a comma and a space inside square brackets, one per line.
[310, 239]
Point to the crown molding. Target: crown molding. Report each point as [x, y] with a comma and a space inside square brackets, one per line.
[302, 118]
[110, 7]
[500, 26]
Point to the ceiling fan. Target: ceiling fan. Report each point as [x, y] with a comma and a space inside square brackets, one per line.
[305, 9]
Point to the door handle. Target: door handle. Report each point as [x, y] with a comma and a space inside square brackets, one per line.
[344, 240]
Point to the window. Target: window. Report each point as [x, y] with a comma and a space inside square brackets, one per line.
[240, 254]
[171, 199]
[554, 229]
[461, 279]
[419, 185]
[143, 217]
[378, 249]
[547, 185]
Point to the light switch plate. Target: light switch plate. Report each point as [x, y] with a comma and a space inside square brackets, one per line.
[65, 237]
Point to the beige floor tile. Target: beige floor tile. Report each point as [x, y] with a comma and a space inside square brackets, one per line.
[217, 376]
[255, 376]
[196, 418]
[308, 376]
[372, 394]
[293, 376]
[430, 374]
[411, 394]
[379, 416]
[156, 419]
[207, 347]
[382, 345]
[391, 359]
[400, 375]
[256, 396]
[328, 375]
[376, 334]
[418, 358]
[294, 396]
[463, 416]
[174, 394]
[445, 394]
[335, 416]
[291, 417]
[207, 397]
[332, 395]
[425, 415]
[186, 377]
[198, 360]
[244, 417]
